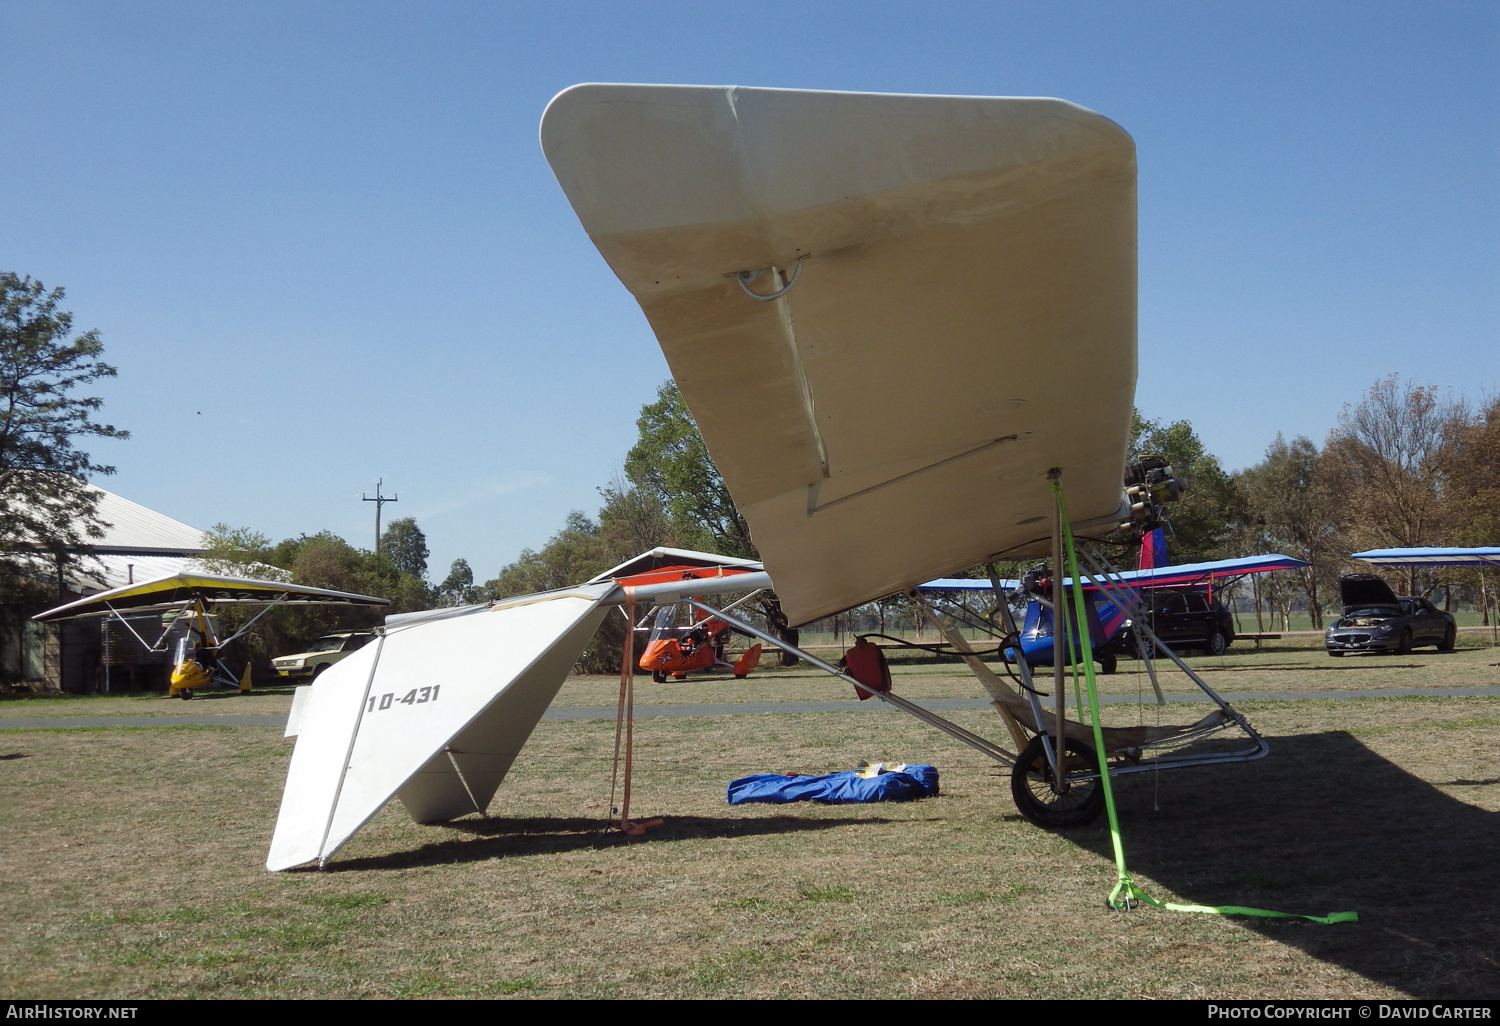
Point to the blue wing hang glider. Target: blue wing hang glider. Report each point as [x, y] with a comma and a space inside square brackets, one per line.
[1108, 606]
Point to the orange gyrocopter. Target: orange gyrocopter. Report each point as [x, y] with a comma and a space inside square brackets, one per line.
[673, 651]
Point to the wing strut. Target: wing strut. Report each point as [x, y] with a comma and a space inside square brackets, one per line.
[625, 718]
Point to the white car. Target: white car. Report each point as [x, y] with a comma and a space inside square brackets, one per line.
[320, 655]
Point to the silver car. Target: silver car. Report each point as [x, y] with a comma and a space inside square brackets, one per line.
[1377, 620]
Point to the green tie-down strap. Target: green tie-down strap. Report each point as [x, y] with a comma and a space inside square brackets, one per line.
[1125, 892]
[1128, 886]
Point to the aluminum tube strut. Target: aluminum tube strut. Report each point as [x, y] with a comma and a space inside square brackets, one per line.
[948, 727]
[1021, 664]
[1061, 647]
[1262, 746]
[150, 645]
[1126, 600]
[269, 606]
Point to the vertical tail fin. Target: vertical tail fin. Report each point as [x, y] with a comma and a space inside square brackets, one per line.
[1153, 550]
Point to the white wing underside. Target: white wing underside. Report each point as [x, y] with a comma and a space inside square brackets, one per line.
[965, 319]
[465, 694]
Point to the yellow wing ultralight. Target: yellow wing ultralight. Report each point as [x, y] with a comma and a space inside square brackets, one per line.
[171, 592]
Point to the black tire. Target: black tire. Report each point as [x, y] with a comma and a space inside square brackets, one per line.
[1449, 637]
[185, 694]
[1031, 787]
[1403, 647]
[659, 676]
[1107, 662]
[1215, 645]
[317, 670]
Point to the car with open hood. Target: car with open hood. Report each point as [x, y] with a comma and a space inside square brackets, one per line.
[1376, 619]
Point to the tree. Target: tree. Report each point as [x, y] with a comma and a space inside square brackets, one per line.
[45, 502]
[670, 462]
[1472, 486]
[633, 520]
[1473, 479]
[1387, 459]
[1293, 511]
[404, 544]
[458, 588]
[240, 552]
[1202, 522]
[574, 554]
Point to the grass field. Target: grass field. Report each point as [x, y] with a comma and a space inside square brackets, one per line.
[133, 860]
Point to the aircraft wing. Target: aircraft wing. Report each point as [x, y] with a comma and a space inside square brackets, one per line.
[956, 584]
[1216, 570]
[432, 713]
[961, 318]
[1159, 577]
[170, 592]
[435, 710]
[1483, 556]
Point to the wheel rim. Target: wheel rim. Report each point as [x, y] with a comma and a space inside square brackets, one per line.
[1039, 783]
[1031, 787]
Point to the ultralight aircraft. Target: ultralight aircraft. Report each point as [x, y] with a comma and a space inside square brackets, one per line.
[197, 660]
[906, 328]
[672, 651]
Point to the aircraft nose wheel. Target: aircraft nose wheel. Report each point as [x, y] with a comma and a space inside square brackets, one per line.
[1031, 785]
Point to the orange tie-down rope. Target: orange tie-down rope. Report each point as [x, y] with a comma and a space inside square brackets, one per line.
[624, 717]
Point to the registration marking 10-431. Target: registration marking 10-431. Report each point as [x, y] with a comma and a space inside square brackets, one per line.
[416, 696]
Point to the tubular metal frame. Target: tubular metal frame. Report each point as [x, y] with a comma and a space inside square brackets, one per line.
[1119, 592]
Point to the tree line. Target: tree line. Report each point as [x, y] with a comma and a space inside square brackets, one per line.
[397, 571]
[1407, 465]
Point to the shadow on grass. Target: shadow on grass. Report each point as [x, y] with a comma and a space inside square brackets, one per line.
[541, 835]
[1324, 825]
[233, 693]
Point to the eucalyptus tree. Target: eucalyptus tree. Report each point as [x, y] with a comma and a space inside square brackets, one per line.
[46, 504]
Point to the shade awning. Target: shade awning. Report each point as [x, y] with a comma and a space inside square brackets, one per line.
[1429, 556]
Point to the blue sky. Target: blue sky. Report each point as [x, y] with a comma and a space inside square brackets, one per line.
[330, 229]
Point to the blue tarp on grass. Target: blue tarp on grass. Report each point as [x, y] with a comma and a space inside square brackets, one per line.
[914, 781]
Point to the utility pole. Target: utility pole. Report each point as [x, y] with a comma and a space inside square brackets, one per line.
[379, 501]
